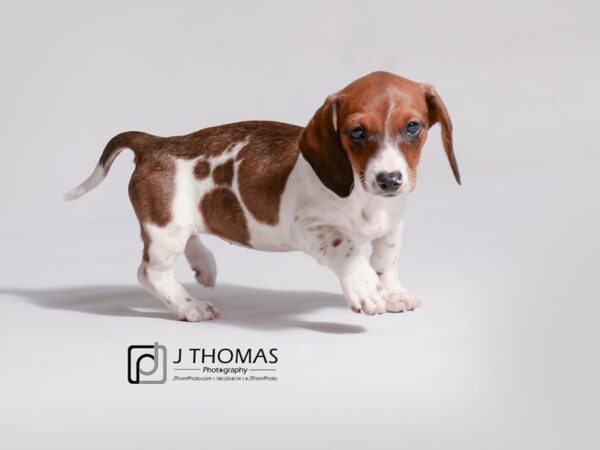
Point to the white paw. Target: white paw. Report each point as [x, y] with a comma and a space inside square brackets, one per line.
[202, 262]
[206, 276]
[364, 292]
[197, 311]
[205, 269]
[401, 301]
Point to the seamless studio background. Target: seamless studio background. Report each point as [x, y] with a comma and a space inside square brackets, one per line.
[502, 354]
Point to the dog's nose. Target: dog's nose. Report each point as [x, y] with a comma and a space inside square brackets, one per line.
[389, 181]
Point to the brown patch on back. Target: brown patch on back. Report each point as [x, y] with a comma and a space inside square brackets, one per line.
[151, 189]
[266, 163]
[201, 170]
[266, 160]
[213, 141]
[223, 173]
[224, 216]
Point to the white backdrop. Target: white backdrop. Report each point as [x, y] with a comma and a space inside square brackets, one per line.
[501, 356]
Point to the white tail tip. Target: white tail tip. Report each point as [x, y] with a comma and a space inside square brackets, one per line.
[90, 183]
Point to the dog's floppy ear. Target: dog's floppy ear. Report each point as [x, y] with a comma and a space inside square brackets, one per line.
[439, 113]
[321, 147]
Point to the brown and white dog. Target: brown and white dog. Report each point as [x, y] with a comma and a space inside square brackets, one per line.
[325, 190]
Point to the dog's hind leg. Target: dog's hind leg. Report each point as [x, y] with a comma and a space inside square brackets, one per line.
[162, 245]
[162, 194]
[201, 261]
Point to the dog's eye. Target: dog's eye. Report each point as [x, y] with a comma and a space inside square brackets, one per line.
[413, 128]
[357, 133]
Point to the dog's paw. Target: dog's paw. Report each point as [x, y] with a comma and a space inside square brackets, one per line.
[401, 301]
[197, 311]
[202, 262]
[206, 276]
[364, 293]
[205, 268]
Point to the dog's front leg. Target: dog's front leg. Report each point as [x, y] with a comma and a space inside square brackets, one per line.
[360, 284]
[385, 261]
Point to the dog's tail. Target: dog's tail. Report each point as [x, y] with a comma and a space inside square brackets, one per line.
[135, 140]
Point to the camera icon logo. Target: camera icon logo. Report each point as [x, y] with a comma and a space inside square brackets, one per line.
[147, 364]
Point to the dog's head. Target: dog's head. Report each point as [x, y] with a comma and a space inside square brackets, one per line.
[375, 128]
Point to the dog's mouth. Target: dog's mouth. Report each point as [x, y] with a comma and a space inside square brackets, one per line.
[375, 190]
[402, 190]
[379, 193]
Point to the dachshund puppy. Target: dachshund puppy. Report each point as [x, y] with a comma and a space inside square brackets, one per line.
[325, 189]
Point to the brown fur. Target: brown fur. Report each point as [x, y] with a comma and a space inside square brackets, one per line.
[223, 215]
[264, 169]
[439, 113]
[321, 147]
[201, 170]
[208, 142]
[146, 241]
[141, 143]
[151, 190]
[223, 173]
[213, 141]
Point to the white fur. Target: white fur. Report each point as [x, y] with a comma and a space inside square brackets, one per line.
[202, 262]
[90, 183]
[389, 159]
[325, 218]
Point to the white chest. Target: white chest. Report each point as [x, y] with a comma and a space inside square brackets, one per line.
[370, 224]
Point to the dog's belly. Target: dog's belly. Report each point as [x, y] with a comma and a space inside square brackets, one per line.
[271, 243]
[271, 239]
